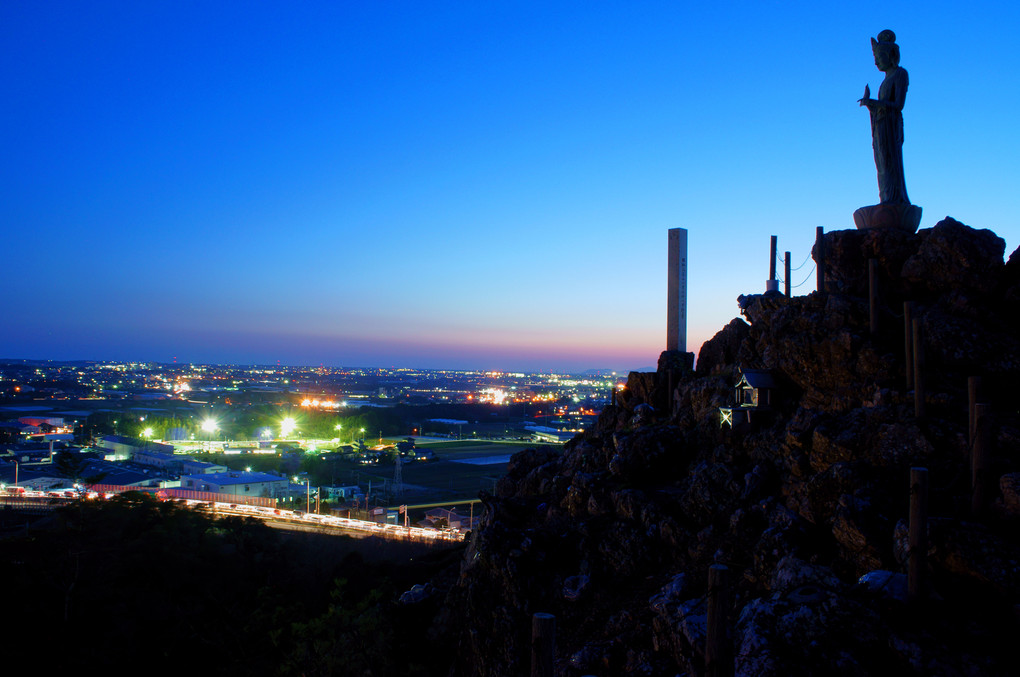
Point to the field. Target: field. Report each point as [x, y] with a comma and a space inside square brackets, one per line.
[449, 477]
[459, 470]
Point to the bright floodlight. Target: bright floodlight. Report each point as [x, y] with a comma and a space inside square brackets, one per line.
[147, 433]
[338, 427]
[209, 425]
[287, 426]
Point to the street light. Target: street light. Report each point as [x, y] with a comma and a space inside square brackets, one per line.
[287, 426]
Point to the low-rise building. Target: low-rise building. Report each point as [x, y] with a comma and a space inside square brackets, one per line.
[451, 518]
[190, 466]
[157, 459]
[237, 483]
[120, 448]
[341, 493]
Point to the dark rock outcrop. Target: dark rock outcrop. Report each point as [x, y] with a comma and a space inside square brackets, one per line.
[615, 533]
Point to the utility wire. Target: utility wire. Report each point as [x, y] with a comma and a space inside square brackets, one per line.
[780, 259]
[812, 272]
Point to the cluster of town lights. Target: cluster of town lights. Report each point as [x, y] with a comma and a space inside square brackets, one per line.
[322, 404]
[493, 395]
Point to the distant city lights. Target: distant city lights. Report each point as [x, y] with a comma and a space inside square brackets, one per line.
[493, 395]
[321, 404]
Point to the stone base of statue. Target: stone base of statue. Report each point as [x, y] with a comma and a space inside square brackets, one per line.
[903, 216]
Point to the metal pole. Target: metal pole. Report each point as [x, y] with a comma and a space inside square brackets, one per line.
[918, 534]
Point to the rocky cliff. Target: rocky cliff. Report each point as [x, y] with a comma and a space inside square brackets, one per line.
[806, 504]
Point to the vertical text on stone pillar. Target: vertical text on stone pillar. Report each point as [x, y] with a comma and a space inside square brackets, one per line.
[676, 297]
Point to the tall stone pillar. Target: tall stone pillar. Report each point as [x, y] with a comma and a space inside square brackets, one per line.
[676, 297]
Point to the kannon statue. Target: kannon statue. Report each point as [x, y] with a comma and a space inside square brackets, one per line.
[886, 111]
[887, 119]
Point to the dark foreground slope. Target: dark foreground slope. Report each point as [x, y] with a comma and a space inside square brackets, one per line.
[133, 586]
[615, 534]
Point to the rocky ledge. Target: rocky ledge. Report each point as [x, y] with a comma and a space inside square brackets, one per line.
[806, 504]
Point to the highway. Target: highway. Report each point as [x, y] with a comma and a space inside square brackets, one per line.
[275, 517]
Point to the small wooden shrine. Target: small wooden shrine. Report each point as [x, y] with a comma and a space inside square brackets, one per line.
[756, 392]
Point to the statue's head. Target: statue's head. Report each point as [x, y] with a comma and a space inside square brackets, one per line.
[886, 51]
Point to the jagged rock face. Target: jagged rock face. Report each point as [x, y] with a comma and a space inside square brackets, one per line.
[953, 256]
[614, 533]
[821, 345]
[720, 353]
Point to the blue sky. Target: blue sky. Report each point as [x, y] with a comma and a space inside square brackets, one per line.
[458, 184]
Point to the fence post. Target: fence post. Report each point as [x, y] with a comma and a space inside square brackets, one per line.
[973, 393]
[918, 369]
[543, 644]
[718, 662]
[786, 274]
[908, 342]
[669, 395]
[819, 259]
[917, 539]
[873, 296]
[772, 257]
[979, 459]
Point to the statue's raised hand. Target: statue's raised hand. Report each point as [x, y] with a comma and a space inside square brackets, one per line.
[866, 97]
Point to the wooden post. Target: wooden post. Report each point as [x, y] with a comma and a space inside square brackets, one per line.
[543, 645]
[819, 259]
[873, 296]
[669, 396]
[980, 459]
[718, 662]
[786, 274]
[908, 342]
[917, 538]
[973, 393]
[772, 257]
[918, 369]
